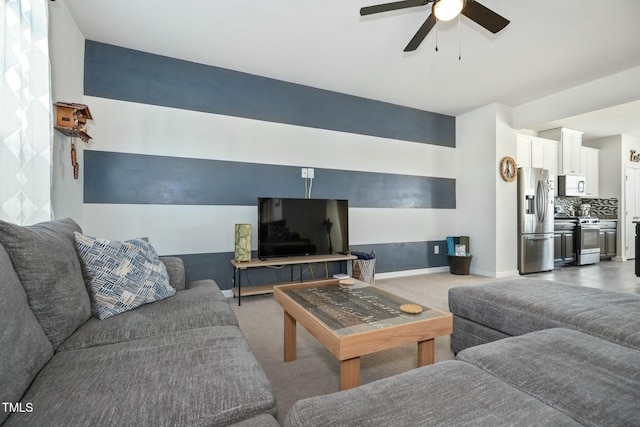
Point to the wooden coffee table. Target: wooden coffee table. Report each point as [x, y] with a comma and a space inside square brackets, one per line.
[353, 321]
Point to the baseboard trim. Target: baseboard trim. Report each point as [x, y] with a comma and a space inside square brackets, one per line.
[503, 274]
[406, 273]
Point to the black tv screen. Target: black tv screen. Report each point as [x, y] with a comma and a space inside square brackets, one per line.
[297, 227]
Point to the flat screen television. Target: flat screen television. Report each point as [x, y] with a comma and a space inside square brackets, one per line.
[298, 227]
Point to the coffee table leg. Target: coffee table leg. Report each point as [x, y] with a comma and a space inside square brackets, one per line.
[349, 373]
[289, 338]
[426, 352]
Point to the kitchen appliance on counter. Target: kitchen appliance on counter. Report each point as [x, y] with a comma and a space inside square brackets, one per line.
[584, 210]
[572, 186]
[587, 241]
[535, 220]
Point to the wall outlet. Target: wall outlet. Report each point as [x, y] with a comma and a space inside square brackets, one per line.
[305, 173]
[436, 249]
[310, 172]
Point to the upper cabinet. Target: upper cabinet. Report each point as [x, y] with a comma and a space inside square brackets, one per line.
[523, 151]
[536, 152]
[590, 157]
[569, 150]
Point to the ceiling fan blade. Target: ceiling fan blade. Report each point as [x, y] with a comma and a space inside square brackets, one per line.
[484, 16]
[386, 7]
[421, 34]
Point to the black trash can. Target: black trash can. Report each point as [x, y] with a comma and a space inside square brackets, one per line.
[459, 264]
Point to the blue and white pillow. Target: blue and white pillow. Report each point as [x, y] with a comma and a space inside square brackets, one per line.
[122, 275]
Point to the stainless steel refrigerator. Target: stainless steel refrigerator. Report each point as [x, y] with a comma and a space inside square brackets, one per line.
[535, 220]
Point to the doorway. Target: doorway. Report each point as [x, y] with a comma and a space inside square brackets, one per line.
[632, 210]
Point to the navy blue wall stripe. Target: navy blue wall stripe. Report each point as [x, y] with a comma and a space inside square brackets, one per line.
[124, 178]
[124, 74]
[389, 257]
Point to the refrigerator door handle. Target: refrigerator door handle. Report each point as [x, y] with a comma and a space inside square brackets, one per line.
[542, 237]
[541, 199]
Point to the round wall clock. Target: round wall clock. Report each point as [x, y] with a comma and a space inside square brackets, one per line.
[508, 169]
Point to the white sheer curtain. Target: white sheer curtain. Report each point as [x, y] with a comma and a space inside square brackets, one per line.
[26, 131]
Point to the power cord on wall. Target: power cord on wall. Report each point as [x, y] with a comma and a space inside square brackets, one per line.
[308, 185]
[308, 174]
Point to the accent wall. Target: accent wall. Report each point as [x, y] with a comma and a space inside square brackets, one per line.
[182, 151]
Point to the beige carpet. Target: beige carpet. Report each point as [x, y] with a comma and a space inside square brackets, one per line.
[316, 371]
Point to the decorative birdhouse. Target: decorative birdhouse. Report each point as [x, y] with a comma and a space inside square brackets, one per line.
[72, 118]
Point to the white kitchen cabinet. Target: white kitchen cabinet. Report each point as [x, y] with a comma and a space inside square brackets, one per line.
[523, 151]
[569, 149]
[538, 152]
[544, 154]
[590, 171]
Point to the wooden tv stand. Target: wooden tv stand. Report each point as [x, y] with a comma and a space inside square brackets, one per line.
[238, 266]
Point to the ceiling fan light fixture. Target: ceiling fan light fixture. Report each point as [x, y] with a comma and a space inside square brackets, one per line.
[446, 10]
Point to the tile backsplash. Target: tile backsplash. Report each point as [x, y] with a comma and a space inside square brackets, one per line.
[602, 208]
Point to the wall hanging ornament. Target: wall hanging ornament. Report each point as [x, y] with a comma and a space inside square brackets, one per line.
[74, 161]
[243, 242]
[508, 169]
[71, 120]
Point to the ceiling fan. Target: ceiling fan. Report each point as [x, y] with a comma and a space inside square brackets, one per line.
[443, 10]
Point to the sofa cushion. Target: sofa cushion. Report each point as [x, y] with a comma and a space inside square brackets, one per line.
[45, 259]
[595, 381]
[122, 275]
[205, 376]
[196, 307]
[446, 393]
[207, 282]
[520, 306]
[175, 270]
[467, 333]
[24, 347]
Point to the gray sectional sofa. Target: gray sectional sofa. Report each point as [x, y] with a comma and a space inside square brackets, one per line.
[529, 352]
[179, 361]
[487, 313]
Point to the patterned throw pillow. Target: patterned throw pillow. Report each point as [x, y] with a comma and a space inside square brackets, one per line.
[122, 275]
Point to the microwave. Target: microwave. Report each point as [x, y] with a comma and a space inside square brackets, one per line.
[572, 185]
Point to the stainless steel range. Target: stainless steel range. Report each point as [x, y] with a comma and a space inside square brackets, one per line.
[587, 240]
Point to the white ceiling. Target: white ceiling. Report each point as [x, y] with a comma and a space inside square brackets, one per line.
[549, 46]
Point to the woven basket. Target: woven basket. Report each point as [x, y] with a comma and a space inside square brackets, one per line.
[364, 270]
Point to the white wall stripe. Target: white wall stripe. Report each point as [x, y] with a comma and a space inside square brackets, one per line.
[369, 226]
[182, 133]
[180, 229]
